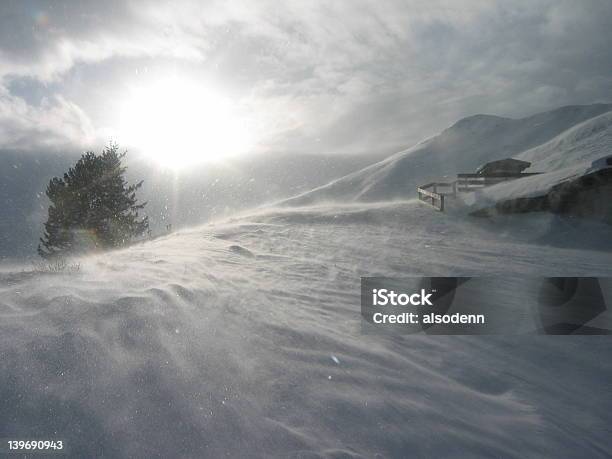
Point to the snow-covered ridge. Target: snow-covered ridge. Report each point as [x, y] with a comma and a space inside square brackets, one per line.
[562, 137]
[584, 143]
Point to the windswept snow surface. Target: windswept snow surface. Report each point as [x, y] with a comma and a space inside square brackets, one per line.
[242, 339]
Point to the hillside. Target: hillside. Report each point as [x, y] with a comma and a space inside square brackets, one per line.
[463, 147]
[585, 142]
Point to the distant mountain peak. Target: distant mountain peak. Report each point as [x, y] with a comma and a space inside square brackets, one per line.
[479, 119]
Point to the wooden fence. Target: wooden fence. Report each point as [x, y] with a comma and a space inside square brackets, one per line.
[431, 193]
[434, 193]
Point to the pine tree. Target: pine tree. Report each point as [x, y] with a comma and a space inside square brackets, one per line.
[92, 207]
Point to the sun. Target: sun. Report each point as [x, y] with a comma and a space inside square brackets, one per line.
[179, 123]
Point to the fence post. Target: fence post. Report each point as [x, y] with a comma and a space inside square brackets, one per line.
[442, 203]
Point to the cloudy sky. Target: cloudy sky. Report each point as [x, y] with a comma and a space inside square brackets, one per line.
[329, 76]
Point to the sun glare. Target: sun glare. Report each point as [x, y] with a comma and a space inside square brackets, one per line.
[179, 123]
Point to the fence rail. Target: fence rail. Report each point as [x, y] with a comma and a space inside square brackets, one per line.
[466, 182]
[431, 194]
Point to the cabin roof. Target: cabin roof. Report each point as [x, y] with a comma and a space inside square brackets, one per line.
[508, 164]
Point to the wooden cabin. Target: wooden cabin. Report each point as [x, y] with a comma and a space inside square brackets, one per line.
[584, 194]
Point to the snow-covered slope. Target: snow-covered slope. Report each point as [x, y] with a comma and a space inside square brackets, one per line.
[463, 147]
[583, 143]
[241, 339]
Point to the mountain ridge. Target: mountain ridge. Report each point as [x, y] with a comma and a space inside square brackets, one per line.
[462, 147]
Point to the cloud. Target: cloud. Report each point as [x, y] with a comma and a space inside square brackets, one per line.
[343, 75]
[54, 123]
[46, 39]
